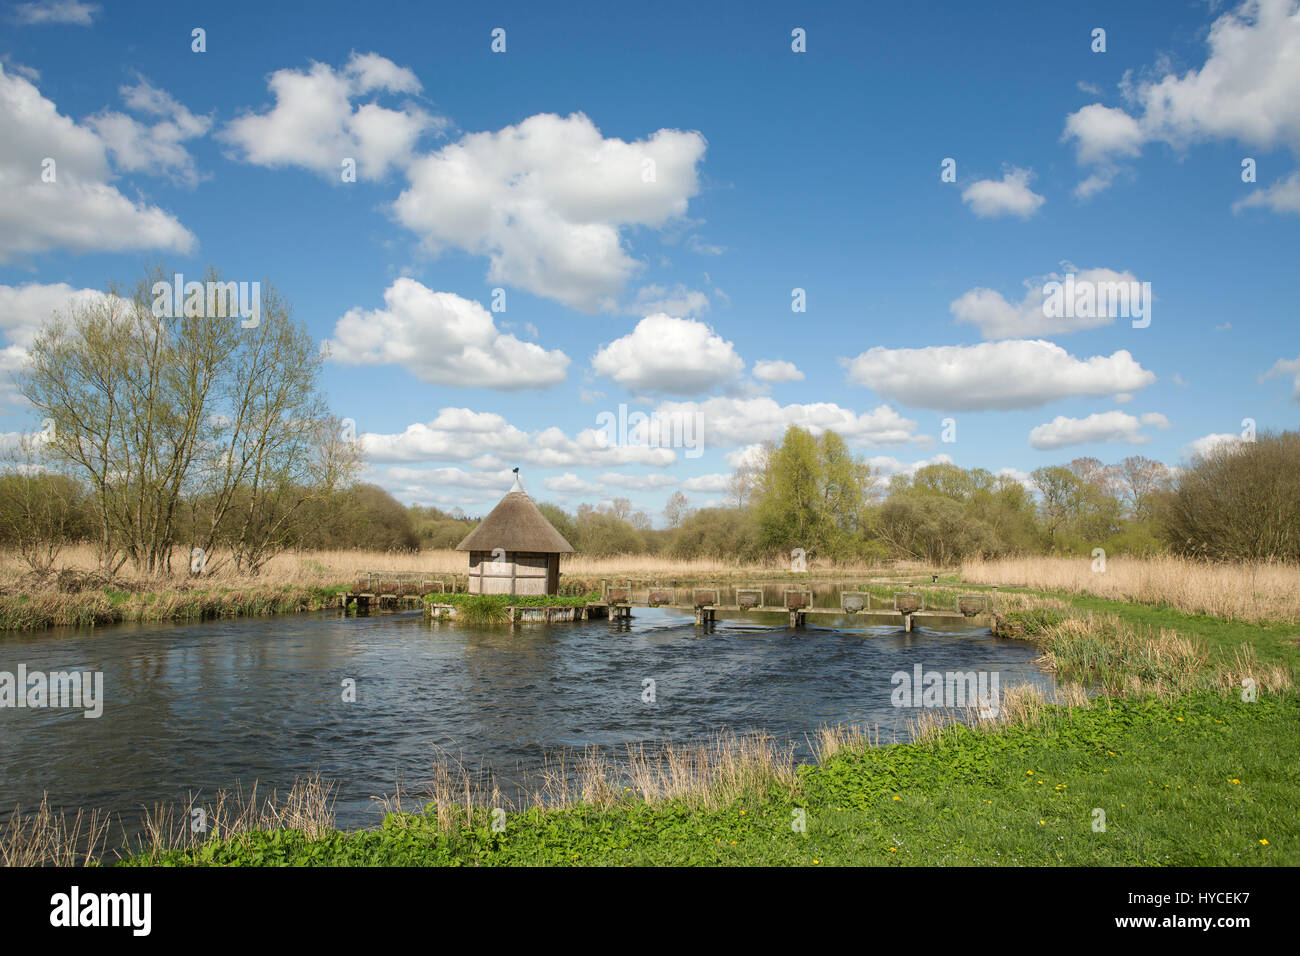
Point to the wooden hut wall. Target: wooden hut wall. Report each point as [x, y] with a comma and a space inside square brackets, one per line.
[519, 573]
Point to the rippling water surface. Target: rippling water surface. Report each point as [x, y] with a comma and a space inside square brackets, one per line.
[201, 707]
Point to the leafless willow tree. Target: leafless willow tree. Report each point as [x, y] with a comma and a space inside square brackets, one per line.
[160, 413]
[743, 483]
[1137, 479]
[677, 509]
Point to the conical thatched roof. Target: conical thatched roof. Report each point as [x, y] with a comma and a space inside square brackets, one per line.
[515, 524]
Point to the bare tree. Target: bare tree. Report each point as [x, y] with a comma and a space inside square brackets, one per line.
[744, 481]
[1058, 489]
[157, 410]
[677, 509]
[1137, 478]
[125, 391]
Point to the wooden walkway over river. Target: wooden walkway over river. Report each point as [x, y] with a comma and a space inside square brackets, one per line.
[798, 605]
[933, 605]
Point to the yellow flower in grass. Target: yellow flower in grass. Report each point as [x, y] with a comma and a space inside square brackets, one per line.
[898, 798]
[1234, 780]
[1264, 842]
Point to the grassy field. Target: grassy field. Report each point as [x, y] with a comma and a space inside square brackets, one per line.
[1203, 780]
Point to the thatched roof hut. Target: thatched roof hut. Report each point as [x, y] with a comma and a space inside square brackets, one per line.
[514, 550]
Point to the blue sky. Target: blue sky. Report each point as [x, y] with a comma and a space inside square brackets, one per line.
[525, 171]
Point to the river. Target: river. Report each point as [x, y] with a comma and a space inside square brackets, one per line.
[194, 708]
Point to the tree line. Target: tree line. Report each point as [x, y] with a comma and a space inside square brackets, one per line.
[1239, 502]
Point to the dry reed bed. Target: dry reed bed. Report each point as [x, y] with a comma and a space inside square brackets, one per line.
[1254, 593]
[1104, 651]
[330, 568]
[46, 609]
[46, 837]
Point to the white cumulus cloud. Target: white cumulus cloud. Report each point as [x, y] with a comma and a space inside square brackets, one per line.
[317, 121]
[25, 308]
[671, 356]
[1283, 368]
[748, 421]
[1281, 197]
[1008, 196]
[79, 210]
[464, 435]
[777, 370]
[67, 12]
[1247, 90]
[546, 201]
[155, 147]
[1100, 427]
[443, 339]
[1012, 373]
[998, 318]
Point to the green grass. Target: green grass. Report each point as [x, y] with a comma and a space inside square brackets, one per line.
[1201, 780]
[492, 608]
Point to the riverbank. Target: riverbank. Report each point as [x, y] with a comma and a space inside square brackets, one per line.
[100, 607]
[1202, 780]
